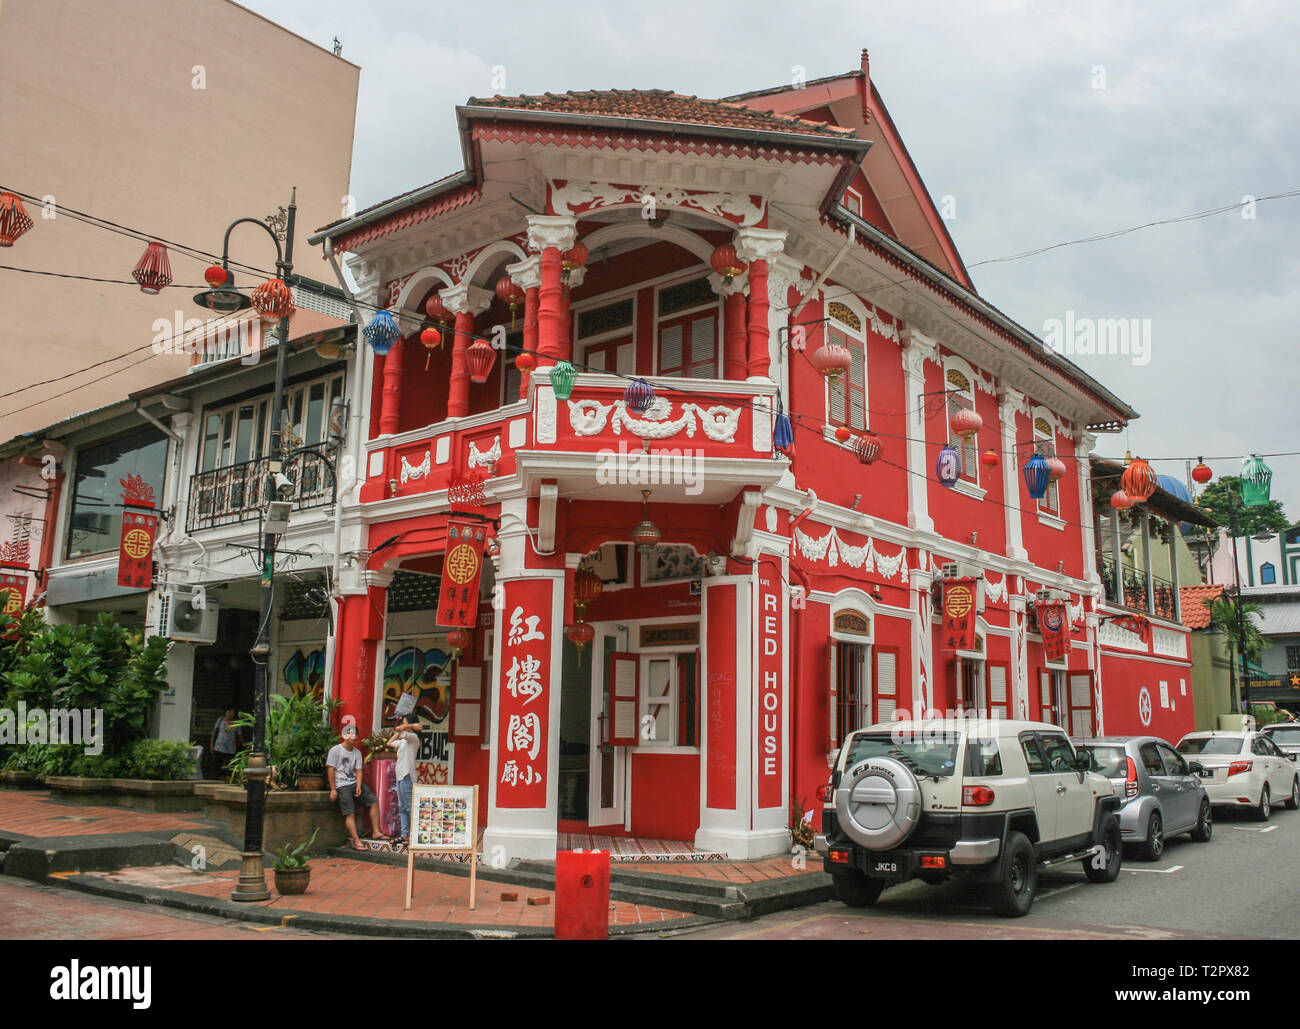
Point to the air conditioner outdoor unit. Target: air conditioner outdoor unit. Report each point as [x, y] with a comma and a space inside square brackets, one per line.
[960, 570]
[1043, 596]
[178, 619]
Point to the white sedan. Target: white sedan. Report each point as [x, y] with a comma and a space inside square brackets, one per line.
[1243, 769]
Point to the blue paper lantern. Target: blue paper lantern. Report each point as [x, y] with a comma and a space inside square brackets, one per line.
[382, 332]
[1037, 476]
[783, 433]
[639, 396]
[947, 466]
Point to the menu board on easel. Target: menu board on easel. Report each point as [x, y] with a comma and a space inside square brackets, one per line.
[444, 820]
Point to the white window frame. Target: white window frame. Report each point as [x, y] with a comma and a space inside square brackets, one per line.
[852, 338]
[719, 325]
[955, 368]
[673, 656]
[302, 388]
[1049, 514]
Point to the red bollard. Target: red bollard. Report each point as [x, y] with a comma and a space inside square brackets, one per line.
[582, 895]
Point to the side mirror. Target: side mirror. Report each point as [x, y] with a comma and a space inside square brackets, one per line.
[1290, 757]
[1083, 762]
[1195, 767]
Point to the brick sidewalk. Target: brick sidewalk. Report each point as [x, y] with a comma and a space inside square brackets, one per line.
[341, 886]
[33, 813]
[738, 872]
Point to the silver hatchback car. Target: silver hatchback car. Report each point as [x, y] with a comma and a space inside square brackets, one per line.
[1160, 791]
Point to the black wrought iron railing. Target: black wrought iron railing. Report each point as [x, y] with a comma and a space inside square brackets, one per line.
[1161, 603]
[237, 493]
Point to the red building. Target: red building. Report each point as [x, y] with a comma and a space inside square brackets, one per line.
[790, 595]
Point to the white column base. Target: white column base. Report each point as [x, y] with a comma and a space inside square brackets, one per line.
[517, 842]
[743, 845]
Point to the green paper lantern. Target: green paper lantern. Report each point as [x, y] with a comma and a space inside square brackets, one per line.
[563, 376]
[1256, 477]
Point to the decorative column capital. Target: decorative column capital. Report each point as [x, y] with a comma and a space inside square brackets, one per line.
[551, 230]
[783, 272]
[1084, 442]
[1011, 402]
[526, 274]
[466, 298]
[576, 276]
[759, 244]
[917, 349]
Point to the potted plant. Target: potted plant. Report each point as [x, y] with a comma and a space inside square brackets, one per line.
[292, 873]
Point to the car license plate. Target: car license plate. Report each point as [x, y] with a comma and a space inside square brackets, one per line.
[1207, 773]
[887, 867]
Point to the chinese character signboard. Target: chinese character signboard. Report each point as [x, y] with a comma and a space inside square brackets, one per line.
[1054, 625]
[461, 568]
[525, 695]
[960, 607]
[13, 593]
[444, 820]
[770, 636]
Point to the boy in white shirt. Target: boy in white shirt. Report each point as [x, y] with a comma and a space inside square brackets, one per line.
[407, 744]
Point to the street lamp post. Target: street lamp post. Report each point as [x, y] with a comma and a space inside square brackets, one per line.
[1244, 707]
[252, 875]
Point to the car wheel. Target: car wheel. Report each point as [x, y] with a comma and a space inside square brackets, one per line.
[1263, 810]
[1294, 801]
[1014, 895]
[1154, 847]
[1104, 868]
[857, 891]
[1204, 824]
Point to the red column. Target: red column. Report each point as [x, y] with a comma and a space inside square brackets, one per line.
[734, 363]
[565, 351]
[550, 299]
[390, 419]
[356, 648]
[458, 388]
[758, 305]
[530, 333]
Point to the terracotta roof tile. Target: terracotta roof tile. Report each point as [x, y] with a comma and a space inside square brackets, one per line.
[1195, 613]
[665, 106]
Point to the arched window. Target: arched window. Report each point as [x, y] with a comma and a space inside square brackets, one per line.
[846, 397]
[961, 397]
[1267, 574]
[1045, 445]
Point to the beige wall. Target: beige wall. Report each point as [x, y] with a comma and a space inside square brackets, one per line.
[98, 108]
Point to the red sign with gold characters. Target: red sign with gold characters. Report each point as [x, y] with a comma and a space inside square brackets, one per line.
[135, 554]
[960, 607]
[13, 588]
[522, 731]
[461, 568]
[1054, 624]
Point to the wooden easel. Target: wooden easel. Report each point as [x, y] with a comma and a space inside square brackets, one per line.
[472, 849]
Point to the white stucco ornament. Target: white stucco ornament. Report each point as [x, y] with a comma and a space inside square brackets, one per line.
[589, 417]
[418, 471]
[485, 457]
[833, 550]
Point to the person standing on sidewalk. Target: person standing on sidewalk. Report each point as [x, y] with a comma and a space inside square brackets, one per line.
[407, 743]
[343, 768]
[223, 742]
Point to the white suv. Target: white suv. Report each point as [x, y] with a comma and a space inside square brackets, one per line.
[990, 801]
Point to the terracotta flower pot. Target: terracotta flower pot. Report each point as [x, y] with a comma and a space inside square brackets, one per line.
[307, 781]
[290, 881]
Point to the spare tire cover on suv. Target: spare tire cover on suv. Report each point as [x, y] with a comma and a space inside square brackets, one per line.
[878, 803]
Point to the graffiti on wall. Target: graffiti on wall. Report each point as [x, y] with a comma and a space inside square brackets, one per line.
[303, 674]
[422, 668]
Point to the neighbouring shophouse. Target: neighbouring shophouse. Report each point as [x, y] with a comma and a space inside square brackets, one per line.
[1268, 572]
[109, 147]
[707, 561]
[193, 452]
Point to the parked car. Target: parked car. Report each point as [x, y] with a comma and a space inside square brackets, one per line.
[1285, 736]
[939, 800]
[1159, 791]
[1243, 769]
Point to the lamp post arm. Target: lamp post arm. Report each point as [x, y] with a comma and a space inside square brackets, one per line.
[280, 259]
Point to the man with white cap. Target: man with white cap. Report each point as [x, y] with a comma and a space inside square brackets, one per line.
[343, 768]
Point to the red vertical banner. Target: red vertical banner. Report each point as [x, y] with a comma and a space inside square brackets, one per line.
[13, 593]
[525, 696]
[135, 552]
[960, 608]
[461, 568]
[770, 655]
[720, 706]
[1054, 625]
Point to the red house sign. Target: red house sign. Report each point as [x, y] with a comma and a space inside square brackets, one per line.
[525, 696]
[769, 731]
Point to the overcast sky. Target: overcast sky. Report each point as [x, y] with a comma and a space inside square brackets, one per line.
[1042, 123]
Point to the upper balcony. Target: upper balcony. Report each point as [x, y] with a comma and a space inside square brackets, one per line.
[239, 492]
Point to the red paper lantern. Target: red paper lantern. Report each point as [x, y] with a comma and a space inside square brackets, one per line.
[459, 639]
[586, 587]
[579, 634]
[154, 272]
[574, 257]
[14, 220]
[1138, 481]
[831, 360]
[1202, 473]
[965, 423]
[868, 447]
[526, 361]
[990, 459]
[843, 433]
[215, 276]
[727, 263]
[437, 310]
[1055, 469]
[510, 292]
[1120, 500]
[480, 357]
[431, 338]
[273, 300]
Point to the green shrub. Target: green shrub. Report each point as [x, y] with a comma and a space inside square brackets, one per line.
[164, 760]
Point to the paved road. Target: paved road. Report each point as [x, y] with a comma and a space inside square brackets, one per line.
[1241, 884]
[29, 911]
